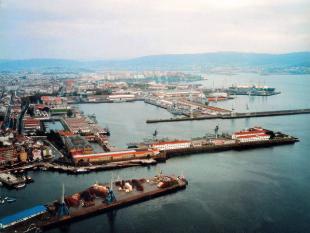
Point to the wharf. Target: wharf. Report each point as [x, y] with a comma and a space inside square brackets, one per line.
[74, 170]
[233, 146]
[235, 115]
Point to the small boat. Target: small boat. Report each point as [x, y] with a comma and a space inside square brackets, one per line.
[29, 179]
[10, 199]
[148, 161]
[81, 170]
[19, 186]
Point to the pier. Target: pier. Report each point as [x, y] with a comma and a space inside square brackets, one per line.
[122, 193]
[236, 146]
[235, 115]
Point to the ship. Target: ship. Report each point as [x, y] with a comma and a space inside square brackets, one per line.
[175, 109]
[253, 90]
[96, 199]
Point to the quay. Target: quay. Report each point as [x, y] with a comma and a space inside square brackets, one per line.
[251, 138]
[235, 115]
[75, 170]
[106, 101]
[234, 146]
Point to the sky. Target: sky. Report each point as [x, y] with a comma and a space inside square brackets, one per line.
[120, 29]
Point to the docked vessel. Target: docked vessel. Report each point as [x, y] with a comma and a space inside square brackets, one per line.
[176, 111]
[96, 199]
[253, 90]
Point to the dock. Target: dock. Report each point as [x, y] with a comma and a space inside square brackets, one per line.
[235, 115]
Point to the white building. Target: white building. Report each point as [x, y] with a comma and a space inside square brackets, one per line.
[171, 145]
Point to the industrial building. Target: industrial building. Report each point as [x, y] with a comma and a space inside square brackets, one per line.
[115, 156]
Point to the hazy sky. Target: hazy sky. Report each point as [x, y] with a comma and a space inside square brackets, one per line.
[104, 29]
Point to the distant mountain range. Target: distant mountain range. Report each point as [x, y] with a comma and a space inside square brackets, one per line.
[298, 62]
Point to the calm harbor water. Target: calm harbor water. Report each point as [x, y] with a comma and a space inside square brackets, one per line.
[262, 190]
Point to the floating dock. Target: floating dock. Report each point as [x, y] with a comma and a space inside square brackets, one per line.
[235, 115]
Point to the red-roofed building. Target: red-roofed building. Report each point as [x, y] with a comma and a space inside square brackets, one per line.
[52, 100]
[115, 156]
[31, 124]
[252, 134]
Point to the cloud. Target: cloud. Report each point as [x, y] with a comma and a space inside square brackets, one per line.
[130, 28]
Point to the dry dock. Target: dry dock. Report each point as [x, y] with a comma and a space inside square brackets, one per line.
[235, 115]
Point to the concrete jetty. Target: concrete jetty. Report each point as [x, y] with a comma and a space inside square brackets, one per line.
[235, 115]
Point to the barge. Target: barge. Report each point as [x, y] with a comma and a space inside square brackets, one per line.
[96, 199]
